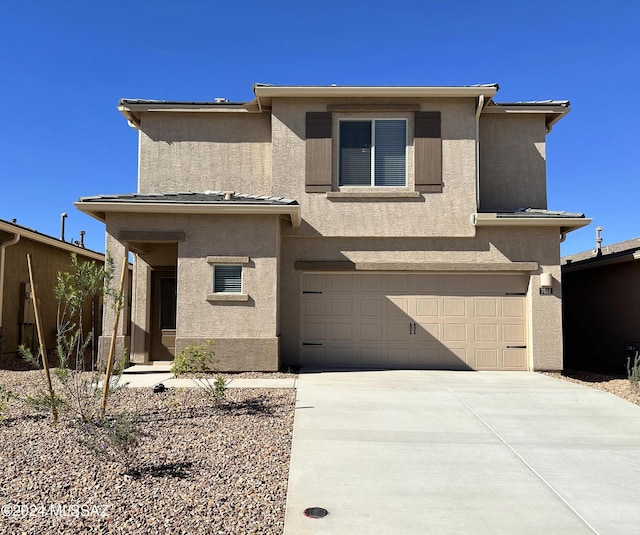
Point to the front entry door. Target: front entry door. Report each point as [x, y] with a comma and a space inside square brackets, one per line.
[163, 315]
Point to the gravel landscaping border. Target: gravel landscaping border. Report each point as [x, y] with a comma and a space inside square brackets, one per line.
[199, 467]
[613, 384]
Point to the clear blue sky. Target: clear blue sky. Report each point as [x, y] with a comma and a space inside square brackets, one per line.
[65, 64]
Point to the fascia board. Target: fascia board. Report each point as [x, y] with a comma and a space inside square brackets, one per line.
[99, 210]
[565, 224]
[527, 109]
[374, 91]
[597, 262]
[552, 113]
[53, 242]
[132, 112]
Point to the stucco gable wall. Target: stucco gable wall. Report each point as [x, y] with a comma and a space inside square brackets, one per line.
[512, 162]
[433, 214]
[205, 151]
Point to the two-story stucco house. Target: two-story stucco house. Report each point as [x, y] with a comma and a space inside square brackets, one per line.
[386, 227]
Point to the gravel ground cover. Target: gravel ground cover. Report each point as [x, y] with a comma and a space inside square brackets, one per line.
[199, 468]
[618, 386]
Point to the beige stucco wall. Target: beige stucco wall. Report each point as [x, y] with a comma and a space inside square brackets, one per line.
[490, 246]
[512, 161]
[233, 151]
[434, 214]
[205, 151]
[200, 318]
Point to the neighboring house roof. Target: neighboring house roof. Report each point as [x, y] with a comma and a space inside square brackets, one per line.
[624, 251]
[207, 202]
[532, 217]
[34, 235]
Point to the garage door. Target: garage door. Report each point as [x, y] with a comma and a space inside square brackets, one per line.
[400, 320]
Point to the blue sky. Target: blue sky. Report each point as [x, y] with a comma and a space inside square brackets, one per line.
[64, 65]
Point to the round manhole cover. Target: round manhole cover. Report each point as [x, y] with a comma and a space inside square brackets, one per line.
[315, 512]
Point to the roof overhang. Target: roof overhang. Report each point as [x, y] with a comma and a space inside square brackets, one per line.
[50, 241]
[99, 210]
[601, 261]
[564, 224]
[133, 109]
[553, 111]
[265, 93]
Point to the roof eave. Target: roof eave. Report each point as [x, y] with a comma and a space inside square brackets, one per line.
[133, 111]
[552, 112]
[601, 261]
[51, 241]
[264, 93]
[99, 210]
[565, 224]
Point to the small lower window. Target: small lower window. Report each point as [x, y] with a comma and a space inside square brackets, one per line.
[227, 279]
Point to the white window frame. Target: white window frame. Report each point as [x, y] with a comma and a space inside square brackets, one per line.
[216, 266]
[372, 182]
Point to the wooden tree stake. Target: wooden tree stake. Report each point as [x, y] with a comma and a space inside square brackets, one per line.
[43, 349]
[112, 346]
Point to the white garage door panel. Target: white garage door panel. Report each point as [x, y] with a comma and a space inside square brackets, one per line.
[466, 321]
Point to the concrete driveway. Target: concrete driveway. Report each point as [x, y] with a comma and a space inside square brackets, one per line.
[438, 452]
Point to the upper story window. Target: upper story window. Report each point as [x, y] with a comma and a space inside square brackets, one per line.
[373, 152]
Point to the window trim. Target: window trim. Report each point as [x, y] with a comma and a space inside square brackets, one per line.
[228, 261]
[372, 185]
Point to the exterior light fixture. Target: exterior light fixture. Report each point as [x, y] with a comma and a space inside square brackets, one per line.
[546, 284]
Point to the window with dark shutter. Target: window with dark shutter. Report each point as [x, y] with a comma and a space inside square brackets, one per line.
[428, 151]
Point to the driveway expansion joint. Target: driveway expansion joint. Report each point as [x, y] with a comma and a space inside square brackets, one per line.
[513, 450]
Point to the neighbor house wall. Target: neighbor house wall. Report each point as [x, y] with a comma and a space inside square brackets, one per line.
[601, 312]
[512, 162]
[205, 151]
[46, 262]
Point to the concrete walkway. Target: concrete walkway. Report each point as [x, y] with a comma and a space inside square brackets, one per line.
[437, 452]
[147, 376]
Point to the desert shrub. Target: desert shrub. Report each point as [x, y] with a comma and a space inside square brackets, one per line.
[79, 388]
[633, 369]
[199, 363]
[112, 439]
[6, 396]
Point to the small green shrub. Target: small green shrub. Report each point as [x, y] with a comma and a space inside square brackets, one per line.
[114, 438]
[6, 396]
[198, 363]
[633, 369]
[43, 401]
